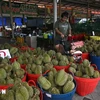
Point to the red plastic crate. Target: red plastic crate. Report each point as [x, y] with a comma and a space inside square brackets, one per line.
[85, 86]
[32, 83]
[62, 67]
[34, 77]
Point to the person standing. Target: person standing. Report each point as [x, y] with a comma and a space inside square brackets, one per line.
[62, 29]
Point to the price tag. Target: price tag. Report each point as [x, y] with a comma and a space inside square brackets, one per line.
[49, 95]
[5, 53]
[93, 33]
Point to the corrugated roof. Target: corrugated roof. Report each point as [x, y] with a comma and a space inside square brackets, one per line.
[80, 4]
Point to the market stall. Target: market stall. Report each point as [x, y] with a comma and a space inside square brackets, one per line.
[31, 68]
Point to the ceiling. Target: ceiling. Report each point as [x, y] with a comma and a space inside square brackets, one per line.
[93, 5]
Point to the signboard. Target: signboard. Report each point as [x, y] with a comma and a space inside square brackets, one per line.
[41, 11]
[96, 15]
[20, 8]
[5, 53]
[2, 91]
[20, 0]
[26, 9]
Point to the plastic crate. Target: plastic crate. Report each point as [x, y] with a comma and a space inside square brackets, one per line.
[95, 37]
[66, 96]
[95, 60]
[62, 67]
[32, 83]
[85, 86]
[34, 77]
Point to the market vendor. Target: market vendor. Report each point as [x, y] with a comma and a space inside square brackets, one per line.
[62, 28]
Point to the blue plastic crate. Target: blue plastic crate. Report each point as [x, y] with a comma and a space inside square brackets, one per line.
[95, 60]
[66, 96]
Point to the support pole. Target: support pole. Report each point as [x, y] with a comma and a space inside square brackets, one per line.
[87, 11]
[45, 15]
[11, 18]
[55, 14]
[59, 9]
[1, 13]
[23, 22]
